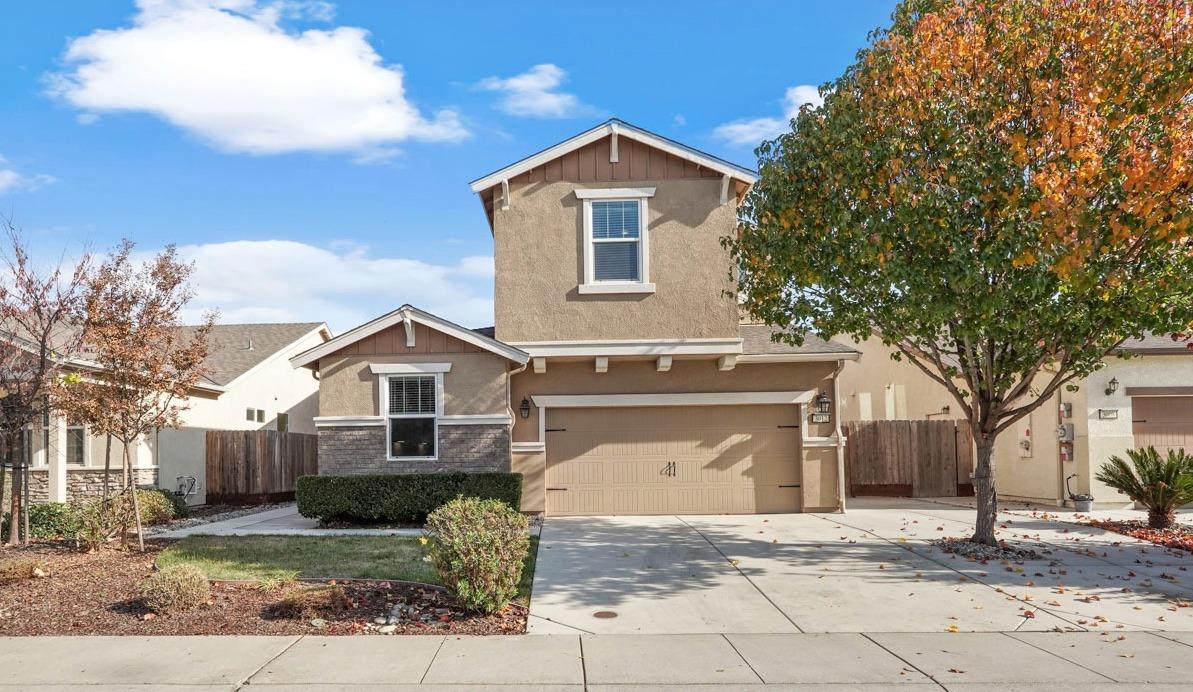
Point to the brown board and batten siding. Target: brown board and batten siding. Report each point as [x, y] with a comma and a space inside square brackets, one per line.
[392, 341]
[590, 164]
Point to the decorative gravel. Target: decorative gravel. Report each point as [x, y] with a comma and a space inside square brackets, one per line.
[979, 552]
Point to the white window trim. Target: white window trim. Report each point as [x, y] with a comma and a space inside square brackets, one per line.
[383, 409]
[408, 368]
[643, 284]
[86, 444]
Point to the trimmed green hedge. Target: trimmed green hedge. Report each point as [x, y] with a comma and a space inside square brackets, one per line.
[407, 497]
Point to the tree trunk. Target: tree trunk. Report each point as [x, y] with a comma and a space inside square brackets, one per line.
[132, 489]
[3, 475]
[25, 505]
[107, 468]
[1160, 517]
[987, 496]
[14, 512]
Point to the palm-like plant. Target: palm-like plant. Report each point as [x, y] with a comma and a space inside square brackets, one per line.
[1159, 484]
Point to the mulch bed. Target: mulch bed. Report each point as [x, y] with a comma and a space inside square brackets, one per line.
[98, 594]
[1176, 536]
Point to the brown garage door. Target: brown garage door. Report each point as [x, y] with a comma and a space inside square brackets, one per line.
[1163, 422]
[673, 460]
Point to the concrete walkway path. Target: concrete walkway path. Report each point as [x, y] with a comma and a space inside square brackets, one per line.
[873, 569]
[284, 521]
[965, 661]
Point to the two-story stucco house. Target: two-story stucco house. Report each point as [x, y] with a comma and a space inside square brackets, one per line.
[618, 378]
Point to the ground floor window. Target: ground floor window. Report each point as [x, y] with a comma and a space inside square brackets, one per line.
[412, 406]
[76, 441]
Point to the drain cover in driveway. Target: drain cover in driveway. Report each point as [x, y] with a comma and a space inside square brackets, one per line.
[604, 614]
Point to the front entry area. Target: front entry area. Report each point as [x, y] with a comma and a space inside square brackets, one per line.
[673, 460]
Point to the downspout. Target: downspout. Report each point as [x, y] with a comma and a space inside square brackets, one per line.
[509, 406]
[840, 435]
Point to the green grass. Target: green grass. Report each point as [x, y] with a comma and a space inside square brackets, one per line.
[272, 559]
[283, 558]
[524, 587]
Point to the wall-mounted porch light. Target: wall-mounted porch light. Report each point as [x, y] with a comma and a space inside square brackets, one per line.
[1112, 386]
[823, 403]
[524, 408]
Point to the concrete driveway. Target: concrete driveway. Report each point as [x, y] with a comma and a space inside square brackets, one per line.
[870, 570]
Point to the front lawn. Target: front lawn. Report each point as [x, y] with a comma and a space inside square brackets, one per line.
[99, 593]
[283, 558]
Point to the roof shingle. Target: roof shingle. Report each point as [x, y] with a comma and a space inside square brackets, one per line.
[756, 340]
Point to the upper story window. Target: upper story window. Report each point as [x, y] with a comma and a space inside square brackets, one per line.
[616, 240]
[616, 243]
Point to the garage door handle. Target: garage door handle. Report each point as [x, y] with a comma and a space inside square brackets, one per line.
[793, 485]
[556, 488]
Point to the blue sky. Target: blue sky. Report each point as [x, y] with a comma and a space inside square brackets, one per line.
[312, 158]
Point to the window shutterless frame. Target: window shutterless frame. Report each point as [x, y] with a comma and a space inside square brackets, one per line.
[642, 283]
[383, 389]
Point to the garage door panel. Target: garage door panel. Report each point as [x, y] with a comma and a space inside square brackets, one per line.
[665, 460]
[1163, 422]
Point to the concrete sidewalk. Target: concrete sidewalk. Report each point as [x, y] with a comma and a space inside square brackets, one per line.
[284, 521]
[965, 661]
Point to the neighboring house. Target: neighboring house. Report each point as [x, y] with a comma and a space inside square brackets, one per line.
[249, 385]
[617, 378]
[1142, 400]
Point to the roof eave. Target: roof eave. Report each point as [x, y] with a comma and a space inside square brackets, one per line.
[603, 130]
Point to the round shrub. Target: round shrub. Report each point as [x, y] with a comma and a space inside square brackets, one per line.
[177, 587]
[478, 547]
[157, 506]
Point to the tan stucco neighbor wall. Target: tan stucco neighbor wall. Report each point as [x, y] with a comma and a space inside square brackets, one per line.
[539, 256]
[819, 470]
[475, 385]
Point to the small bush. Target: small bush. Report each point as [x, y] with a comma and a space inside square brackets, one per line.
[1160, 484]
[98, 523]
[51, 520]
[21, 568]
[157, 506]
[479, 548]
[308, 603]
[399, 498]
[177, 587]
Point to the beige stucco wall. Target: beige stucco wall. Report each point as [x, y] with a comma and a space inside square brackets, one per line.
[819, 472]
[539, 256]
[475, 385]
[876, 387]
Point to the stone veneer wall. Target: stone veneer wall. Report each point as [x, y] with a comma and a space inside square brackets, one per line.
[354, 450]
[81, 483]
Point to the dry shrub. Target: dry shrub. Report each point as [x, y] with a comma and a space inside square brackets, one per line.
[177, 587]
[21, 568]
[310, 602]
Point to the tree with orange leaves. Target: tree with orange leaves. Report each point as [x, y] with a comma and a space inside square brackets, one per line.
[1002, 190]
[146, 365]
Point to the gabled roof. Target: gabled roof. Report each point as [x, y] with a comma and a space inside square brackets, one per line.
[235, 349]
[622, 129]
[310, 358]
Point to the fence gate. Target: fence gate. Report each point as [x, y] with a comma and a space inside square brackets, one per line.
[909, 458]
[247, 466]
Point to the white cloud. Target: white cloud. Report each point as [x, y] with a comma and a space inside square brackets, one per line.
[231, 73]
[345, 284]
[751, 132]
[533, 94]
[12, 180]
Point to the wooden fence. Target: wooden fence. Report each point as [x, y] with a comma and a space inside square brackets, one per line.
[909, 458]
[247, 466]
